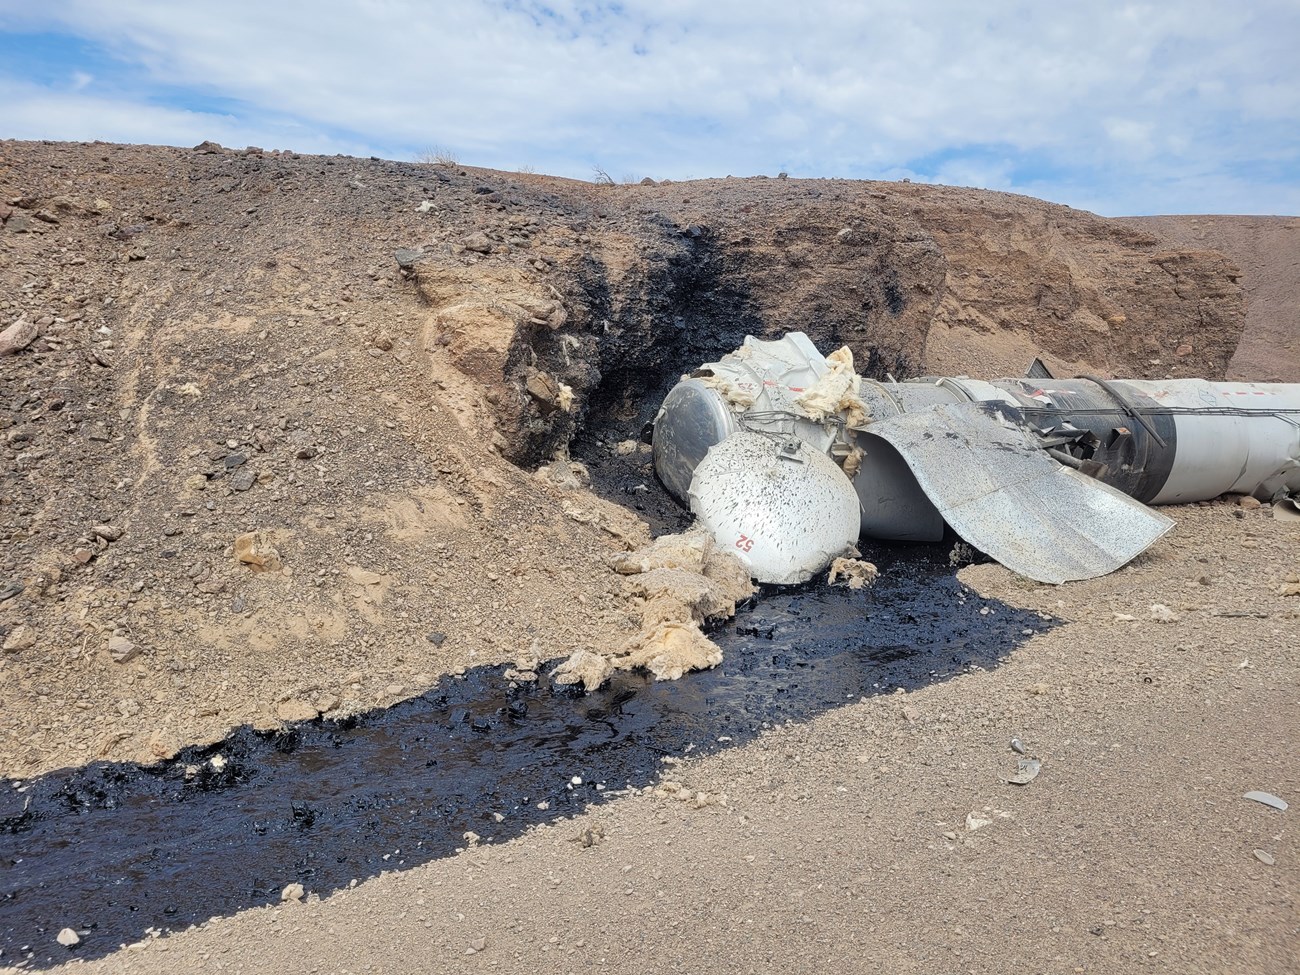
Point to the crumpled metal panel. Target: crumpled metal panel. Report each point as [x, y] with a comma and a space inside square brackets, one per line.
[1000, 492]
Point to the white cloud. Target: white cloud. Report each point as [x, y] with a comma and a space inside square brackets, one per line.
[30, 112]
[1133, 93]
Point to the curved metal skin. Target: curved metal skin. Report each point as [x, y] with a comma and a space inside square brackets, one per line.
[693, 418]
[1180, 440]
[982, 467]
[1157, 442]
[891, 505]
[786, 509]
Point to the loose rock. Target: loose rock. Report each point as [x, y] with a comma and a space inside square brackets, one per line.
[20, 638]
[121, 649]
[254, 549]
[18, 336]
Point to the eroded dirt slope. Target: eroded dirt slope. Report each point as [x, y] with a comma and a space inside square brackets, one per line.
[1267, 250]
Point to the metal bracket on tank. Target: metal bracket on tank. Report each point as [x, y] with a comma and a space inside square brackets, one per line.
[790, 451]
[1129, 409]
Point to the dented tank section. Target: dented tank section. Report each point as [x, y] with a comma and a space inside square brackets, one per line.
[1085, 454]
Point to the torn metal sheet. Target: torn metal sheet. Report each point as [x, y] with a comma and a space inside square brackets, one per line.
[993, 484]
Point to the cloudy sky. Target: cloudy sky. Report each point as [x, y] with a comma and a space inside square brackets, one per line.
[1180, 106]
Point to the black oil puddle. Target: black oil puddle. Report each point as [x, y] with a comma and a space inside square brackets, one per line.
[112, 850]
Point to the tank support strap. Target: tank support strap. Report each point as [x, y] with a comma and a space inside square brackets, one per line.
[1129, 409]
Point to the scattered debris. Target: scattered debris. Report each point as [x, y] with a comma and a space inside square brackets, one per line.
[1268, 799]
[1264, 857]
[294, 892]
[68, 938]
[1028, 769]
[1286, 510]
[975, 821]
[1018, 746]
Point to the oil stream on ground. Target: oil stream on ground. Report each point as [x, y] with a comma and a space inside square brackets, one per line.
[113, 849]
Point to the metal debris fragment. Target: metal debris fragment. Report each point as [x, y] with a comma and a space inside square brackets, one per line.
[1028, 769]
[1268, 799]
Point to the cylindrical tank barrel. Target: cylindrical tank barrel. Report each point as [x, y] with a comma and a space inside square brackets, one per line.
[1159, 441]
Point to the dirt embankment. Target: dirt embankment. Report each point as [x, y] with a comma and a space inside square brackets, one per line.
[1267, 250]
[228, 347]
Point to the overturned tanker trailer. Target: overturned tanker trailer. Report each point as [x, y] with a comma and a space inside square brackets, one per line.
[788, 457]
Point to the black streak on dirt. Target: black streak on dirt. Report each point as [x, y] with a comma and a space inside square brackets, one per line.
[112, 850]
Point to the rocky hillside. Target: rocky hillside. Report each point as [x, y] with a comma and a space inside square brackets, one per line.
[286, 435]
[1267, 250]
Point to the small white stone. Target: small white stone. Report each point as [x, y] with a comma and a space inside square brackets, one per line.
[67, 937]
[293, 892]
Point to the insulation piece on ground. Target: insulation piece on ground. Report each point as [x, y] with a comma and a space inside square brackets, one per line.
[856, 573]
[672, 649]
[678, 581]
[585, 667]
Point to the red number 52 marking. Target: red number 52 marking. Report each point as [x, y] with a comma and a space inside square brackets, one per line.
[745, 543]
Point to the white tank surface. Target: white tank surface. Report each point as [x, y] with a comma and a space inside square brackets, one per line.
[785, 508]
[1232, 438]
[1158, 442]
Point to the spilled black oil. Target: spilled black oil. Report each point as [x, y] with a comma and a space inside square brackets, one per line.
[112, 850]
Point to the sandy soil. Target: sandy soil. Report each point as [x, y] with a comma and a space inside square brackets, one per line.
[228, 347]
